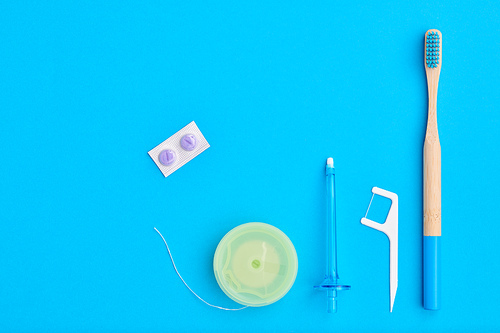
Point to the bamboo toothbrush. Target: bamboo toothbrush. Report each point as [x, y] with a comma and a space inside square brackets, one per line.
[432, 177]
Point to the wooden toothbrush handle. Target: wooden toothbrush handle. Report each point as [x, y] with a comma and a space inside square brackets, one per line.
[432, 187]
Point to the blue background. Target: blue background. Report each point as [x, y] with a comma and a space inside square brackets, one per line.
[86, 89]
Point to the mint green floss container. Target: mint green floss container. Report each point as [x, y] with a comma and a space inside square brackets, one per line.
[255, 264]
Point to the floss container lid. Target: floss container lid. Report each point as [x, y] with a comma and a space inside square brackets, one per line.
[255, 264]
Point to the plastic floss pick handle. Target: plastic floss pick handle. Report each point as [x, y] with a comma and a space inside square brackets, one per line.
[390, 228]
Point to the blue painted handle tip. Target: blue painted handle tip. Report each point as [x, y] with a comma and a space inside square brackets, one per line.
[432, 272]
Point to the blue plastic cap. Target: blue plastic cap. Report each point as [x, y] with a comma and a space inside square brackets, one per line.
[432, 272]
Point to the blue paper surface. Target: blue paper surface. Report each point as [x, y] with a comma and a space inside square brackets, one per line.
[87, 88]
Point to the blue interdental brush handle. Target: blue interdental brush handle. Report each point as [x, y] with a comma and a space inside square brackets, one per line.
[331, 260]
[330, 282]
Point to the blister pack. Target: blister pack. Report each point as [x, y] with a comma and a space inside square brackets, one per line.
[179, 149]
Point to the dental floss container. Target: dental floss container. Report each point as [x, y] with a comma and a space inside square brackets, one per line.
[255, 264]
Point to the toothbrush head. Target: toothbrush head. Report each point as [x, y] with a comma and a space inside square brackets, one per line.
[433, 48]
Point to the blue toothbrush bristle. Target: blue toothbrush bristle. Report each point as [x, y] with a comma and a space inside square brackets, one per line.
[432, 49]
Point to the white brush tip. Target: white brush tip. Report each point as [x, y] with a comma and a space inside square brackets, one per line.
[329, 162]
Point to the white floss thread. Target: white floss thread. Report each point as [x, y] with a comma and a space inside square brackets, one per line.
[178, 274]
